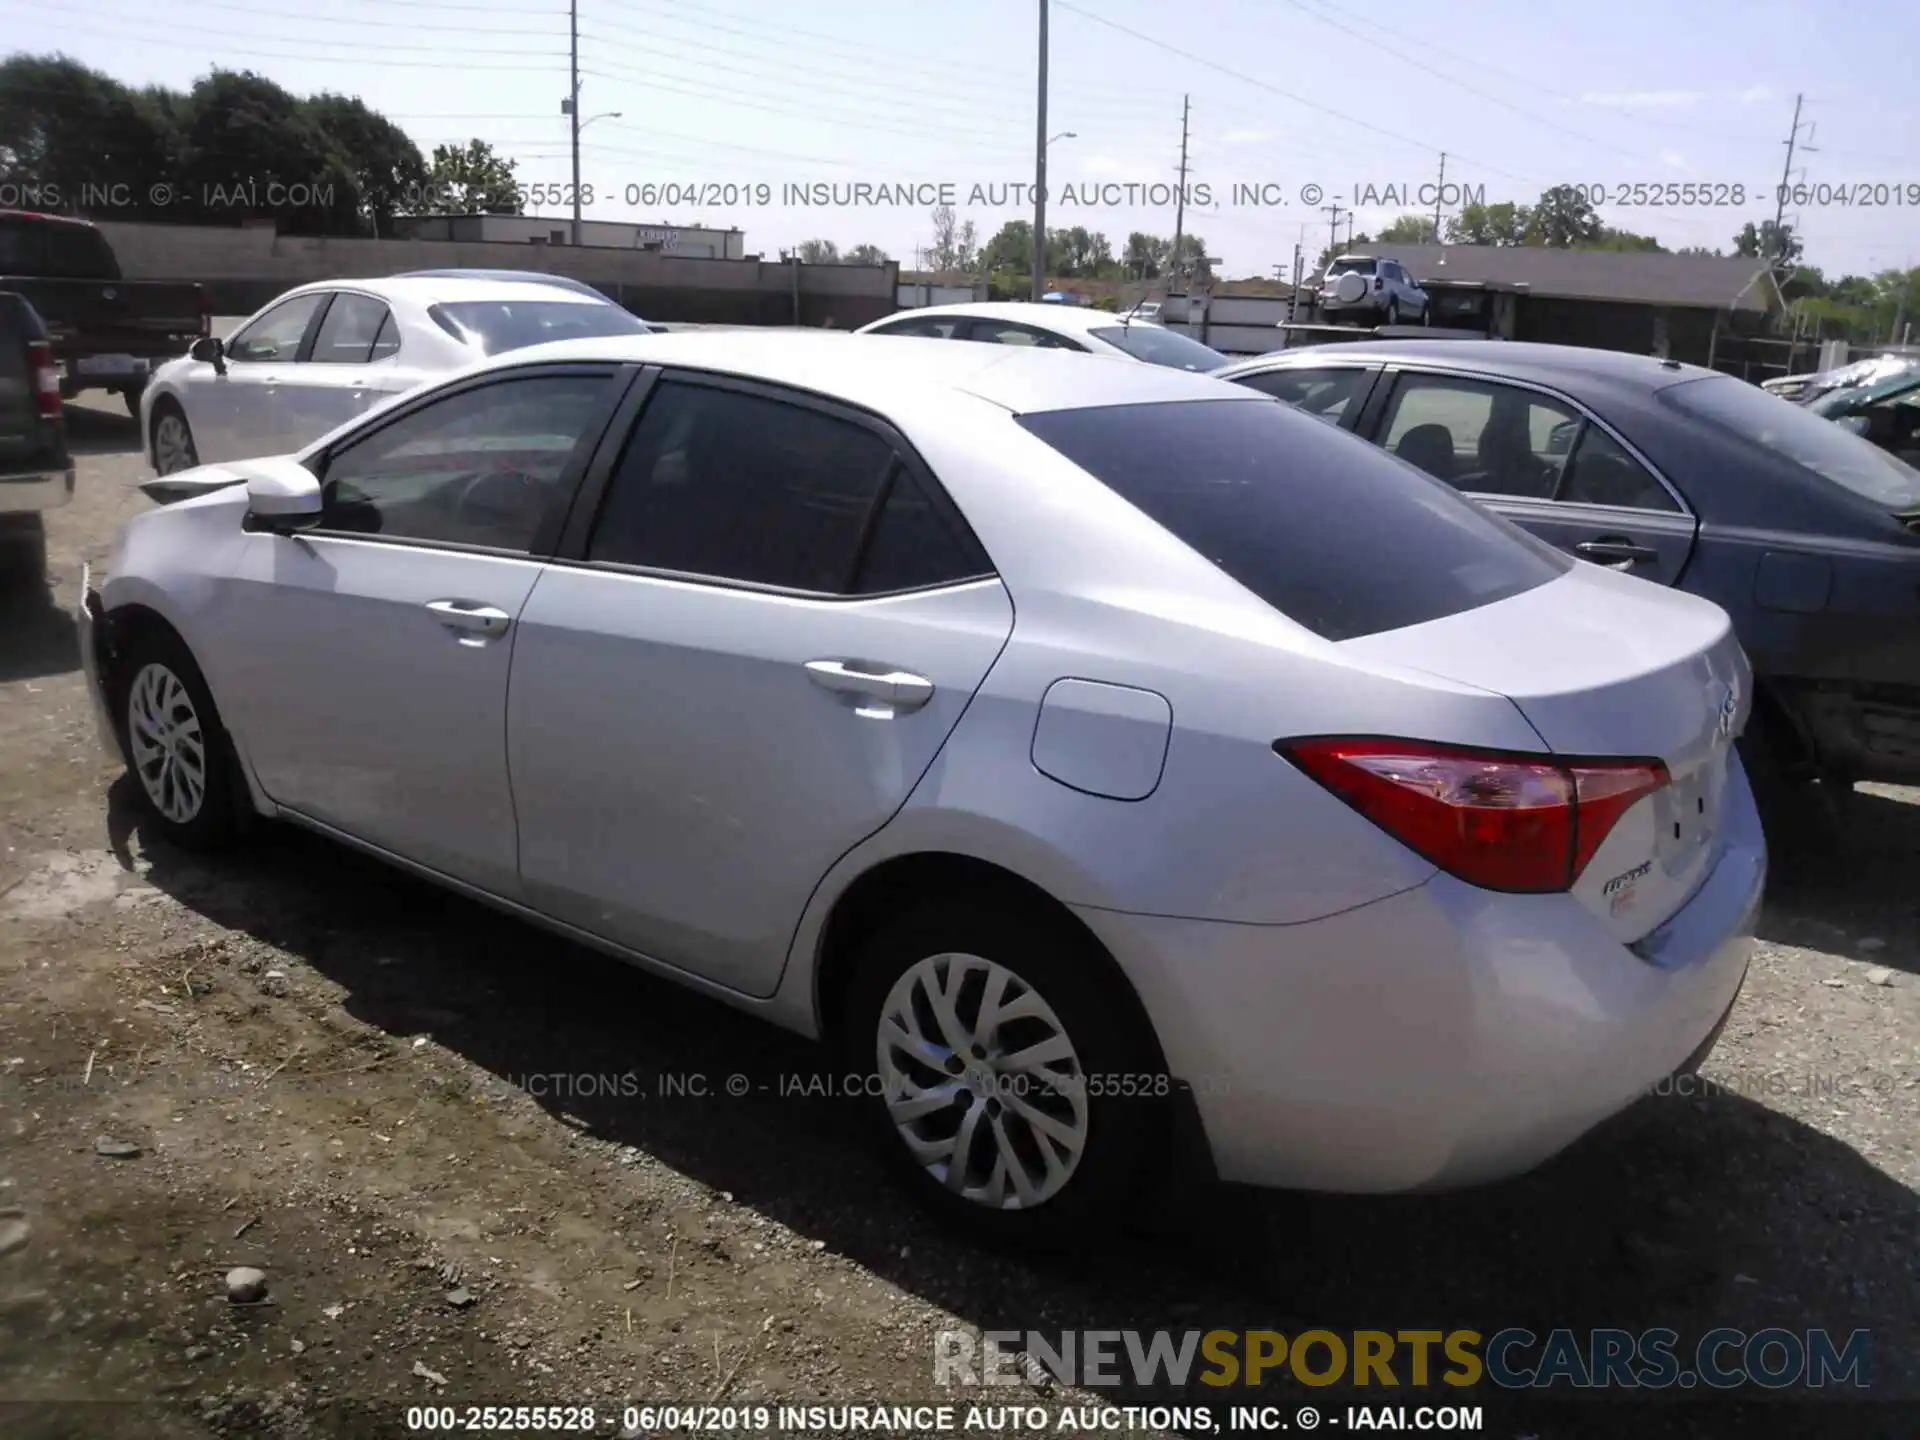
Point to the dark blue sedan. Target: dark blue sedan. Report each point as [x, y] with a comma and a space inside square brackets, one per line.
[1806, 534]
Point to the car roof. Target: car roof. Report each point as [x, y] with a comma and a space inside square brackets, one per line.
[875, 372]
[1519, 360]
[1067, 319]
[452, 290]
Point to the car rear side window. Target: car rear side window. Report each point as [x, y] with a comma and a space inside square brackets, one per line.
[745, 488]
[348, 332]
[1321, 526]
[925, 327]
[1325, 393]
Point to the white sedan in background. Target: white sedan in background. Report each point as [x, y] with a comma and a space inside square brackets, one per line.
[1053, 327]
[322, 354]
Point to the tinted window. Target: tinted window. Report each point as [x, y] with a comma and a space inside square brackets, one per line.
[930, 327]
[387, 341]
[913, 546]
[1487, 438]
[1351, 267]
[995, 332]
[1159, 346]
[482, 467]
[1601, 472]
[347, 334]
[53, 250]
[1325, 393]
[276, 335]
[496, 326]
[1777, 425]
[1322, 527]
[738, 487]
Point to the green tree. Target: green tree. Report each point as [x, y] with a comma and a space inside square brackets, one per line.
[1010, 251]
[819, 252]
[249, 150]
[1562, 219]
[1504, 223]
[471, 179]
[389, 173]
[1612, 239]
[1767, 241]
[1191, 263]
[867, 255]
[1852, 290]
[956, 246]
[1145, 257]
[79, 140]
[1704, 250]
[1411, 230]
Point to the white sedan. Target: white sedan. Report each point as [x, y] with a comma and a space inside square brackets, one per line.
[322, 354]
[1054, 327]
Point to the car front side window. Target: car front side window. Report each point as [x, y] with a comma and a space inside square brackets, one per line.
[483, 467]
[275, 337]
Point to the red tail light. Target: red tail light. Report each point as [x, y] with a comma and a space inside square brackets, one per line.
[1497, 820]
[46, 379]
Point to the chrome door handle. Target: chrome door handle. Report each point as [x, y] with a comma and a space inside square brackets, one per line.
[892, 689]
[468, 617]
[1618, 553]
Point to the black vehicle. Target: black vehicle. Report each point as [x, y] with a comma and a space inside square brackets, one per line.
[1806, 534]
[107, 333]
[527, 277]
[36, 473]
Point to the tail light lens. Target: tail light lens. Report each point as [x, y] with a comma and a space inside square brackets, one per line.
[46, 379]
[1500, 821]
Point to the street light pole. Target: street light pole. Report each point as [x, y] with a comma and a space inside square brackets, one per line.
[1040, 169]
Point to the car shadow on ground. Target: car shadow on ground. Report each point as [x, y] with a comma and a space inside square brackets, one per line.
[37, 637]
[1687, 1211]
[1849, 883]
[95, 431]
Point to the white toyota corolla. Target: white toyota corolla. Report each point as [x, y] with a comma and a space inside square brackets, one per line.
[1088, 748]
[321, 354]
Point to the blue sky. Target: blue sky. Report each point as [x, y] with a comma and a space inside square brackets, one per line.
[1286, 94]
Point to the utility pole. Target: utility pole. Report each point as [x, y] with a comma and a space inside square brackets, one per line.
[573, 104]
[1040, 169]
[1180, 200]
[1438, 195]
[1335, 210]
[1786, 179]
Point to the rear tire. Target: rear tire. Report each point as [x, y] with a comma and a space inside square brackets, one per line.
[1048, 1149]
[1393, 312]
[177, 751]
[173, 447]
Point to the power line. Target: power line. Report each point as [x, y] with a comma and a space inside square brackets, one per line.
[1276, 90]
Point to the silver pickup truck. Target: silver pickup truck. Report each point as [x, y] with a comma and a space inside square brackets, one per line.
[36, 471]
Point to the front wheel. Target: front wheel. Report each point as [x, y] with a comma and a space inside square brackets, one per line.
[1010, 1084]
[173, 448]
[176, 749]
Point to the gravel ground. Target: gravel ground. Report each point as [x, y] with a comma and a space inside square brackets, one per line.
[322, 1069]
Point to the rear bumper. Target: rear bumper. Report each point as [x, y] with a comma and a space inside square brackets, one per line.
[1444, 1036]
[28, 491]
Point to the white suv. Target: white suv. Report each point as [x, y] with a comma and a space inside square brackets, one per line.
[1361, 287]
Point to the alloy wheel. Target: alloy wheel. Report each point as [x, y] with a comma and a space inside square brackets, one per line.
[168, 745]
[172, 445]
[982, 1081]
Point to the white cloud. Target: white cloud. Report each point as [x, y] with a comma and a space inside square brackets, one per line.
[1243, 137]
[1644, 99]
[1673, 159]
[1753, 95]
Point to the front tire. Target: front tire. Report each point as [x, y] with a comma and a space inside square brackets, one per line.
[1012, 1088]
[173, 447]
[176, 748]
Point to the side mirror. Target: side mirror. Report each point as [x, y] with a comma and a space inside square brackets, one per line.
[283, 496]
[209, 350]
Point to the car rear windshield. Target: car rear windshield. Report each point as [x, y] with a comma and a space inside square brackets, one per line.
[497, 326]
[1159, 346]
[1352, 267]
[54, 250]
[1331, 532]
[1828, 449]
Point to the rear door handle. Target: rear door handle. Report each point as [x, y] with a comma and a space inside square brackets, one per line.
[893, 690]
[1618, 552]
[469, 618]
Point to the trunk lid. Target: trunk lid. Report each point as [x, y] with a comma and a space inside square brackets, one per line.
[1605, 666]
